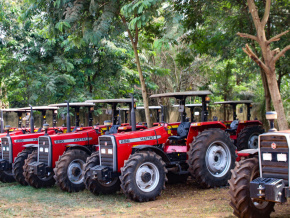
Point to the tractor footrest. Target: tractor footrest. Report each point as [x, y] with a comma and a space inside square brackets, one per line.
[268, 189]
[38, 168]
[5, 165]
[101, 173]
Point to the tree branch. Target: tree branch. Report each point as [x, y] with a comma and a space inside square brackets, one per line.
[255, 58]
[267, 13]
[281, 53]
[136, 32]
[254, 12]
[129, 32]
[245, 35]
[277, 37]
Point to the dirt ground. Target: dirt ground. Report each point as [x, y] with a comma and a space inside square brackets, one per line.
[180, 200]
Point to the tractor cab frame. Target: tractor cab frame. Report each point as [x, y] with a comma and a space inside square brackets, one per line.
[116, 121]
[19, 112]
[159, 111]
[192, 108]
[76, 106]
[244, 133]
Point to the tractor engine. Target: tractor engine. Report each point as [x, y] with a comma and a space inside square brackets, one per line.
[273, 183]
[115, 149]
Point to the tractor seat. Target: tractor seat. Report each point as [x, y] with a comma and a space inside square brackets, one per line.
[114, 129]
[233, 127]
[182, 132]
[234, 124]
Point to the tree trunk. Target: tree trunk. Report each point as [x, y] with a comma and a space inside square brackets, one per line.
[276, 99]
[266, 90]
[143, 87]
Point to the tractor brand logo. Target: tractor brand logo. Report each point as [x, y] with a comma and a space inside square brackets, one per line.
[72, 140]
[43, 143]
[273, 145]
[26, 140]
[106, 143]
[141, 139]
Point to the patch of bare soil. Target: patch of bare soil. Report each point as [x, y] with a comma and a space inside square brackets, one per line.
[180, 200]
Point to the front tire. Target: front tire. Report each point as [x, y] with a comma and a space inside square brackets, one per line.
[18, 166]
[244, 172]
[211, 157]
[94, 185]
[34, 180]
[68, 171]
[248, 137]
[143, 176]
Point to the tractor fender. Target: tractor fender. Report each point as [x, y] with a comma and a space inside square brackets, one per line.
[246, 153]
[83, 148]
[158, 151]
[249, 151]
[30, 146]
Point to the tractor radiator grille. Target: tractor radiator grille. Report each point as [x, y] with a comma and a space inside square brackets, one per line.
[43, 149]
[274, 168]
[6, 149]
[107, 151]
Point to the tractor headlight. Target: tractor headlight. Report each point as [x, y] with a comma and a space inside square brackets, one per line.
[267, 156]
[110, 151]
[3, 148]
[103, 151]
[46, 150]
[41, 149]
[282, 157]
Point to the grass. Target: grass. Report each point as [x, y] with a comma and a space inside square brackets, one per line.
[180, 200]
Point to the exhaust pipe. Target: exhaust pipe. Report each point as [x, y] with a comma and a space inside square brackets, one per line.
[2, 122]
[133, 114]
[67, 118]
[31, 120]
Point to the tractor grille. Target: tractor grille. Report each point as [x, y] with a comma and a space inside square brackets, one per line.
[274, 168]
[44, 149]
[6, 149]
[107, 151]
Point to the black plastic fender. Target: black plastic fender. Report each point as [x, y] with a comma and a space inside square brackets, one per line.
[157, 150]
[81, 147]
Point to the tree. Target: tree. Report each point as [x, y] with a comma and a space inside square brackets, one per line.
[270, 57]
[136, 15]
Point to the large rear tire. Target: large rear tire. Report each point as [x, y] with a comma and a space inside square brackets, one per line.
[244, 172]
[211, 157]
[248, 137]
[18, 166]
[143, 176]
[34, 180]
[68, 171]
[94, 185]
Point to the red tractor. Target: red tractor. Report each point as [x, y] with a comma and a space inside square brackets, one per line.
[140, 161]
[261, 178]
[244, 133]
[16, 148]
[60, 158]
